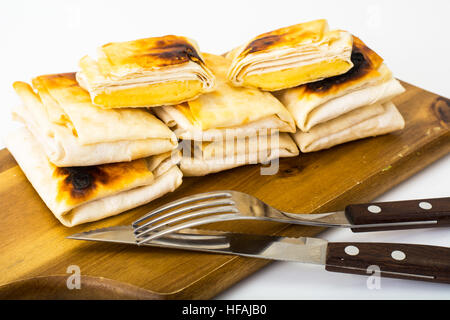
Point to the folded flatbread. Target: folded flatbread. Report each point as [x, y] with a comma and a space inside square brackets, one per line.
[202, 158]
[146, 72]
[74, 132]
[368, 121]
[77, 195]
[368, 81]
[227, 111]
[291, 56]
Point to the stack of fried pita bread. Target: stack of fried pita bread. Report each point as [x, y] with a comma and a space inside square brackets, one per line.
[105, 139]
[335, 87]
[90, 147]
[230, 126]
[85, 162]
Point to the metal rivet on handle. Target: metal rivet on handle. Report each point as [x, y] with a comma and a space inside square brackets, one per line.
[398, 255]
[351, 250]
[425, 205]
[374, 209]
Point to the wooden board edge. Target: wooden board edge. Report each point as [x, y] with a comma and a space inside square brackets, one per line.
[6, 160]
[55, 287]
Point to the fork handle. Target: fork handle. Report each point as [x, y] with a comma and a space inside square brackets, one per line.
[424, 210]
[393, 260]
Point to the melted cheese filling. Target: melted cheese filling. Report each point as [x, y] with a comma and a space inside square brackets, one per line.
[163, 93]
[292, 77]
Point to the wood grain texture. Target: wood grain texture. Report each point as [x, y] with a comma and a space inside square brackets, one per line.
[33, 244]
[394, 260]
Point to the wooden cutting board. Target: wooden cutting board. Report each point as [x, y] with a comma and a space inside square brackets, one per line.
[35, 256]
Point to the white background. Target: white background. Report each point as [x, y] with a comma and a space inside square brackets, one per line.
[40, 37]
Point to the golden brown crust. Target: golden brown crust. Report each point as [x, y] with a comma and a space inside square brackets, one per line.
[150, 53]
[57, 80]
[366, 63]
[80, 184]
[65, 83]
[287, 36]
[374, 59]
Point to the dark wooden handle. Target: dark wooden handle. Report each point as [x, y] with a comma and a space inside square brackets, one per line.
[404, 261]
[416, 211]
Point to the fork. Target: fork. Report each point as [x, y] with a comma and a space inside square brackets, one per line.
[228, 205]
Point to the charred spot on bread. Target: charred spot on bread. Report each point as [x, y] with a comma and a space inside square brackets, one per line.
[262, 43]
[174, 53]
[152, 52]
[78, 181]
[364, 61]
[78, 184]
[359, 69]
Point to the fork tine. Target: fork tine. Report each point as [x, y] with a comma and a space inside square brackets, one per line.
[193, 223]
[184, 209]
[223, 209]
[188, 199]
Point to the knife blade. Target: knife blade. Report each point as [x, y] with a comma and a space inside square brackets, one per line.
[302, 249]
[394, 260]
